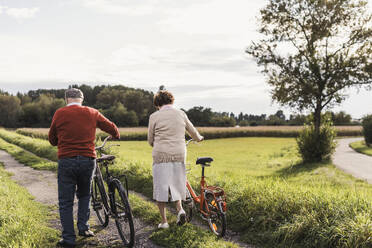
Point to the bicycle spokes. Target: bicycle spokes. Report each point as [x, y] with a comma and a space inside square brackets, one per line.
[122, 214]
[217, 217]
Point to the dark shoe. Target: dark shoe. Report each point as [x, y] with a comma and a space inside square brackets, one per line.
[87, 233]
[63, 243]
[181, 217]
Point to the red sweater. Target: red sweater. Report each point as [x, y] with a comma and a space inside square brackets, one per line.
[73, 129]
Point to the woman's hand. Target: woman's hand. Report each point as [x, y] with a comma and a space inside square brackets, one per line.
[202, 138]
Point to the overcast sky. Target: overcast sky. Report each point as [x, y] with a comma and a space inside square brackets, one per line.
[194, 47]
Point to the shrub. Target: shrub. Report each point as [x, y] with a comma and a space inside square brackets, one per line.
[314, 147]
[367, 129]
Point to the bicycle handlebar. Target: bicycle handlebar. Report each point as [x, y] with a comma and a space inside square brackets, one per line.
[103, 144]
[188, 142]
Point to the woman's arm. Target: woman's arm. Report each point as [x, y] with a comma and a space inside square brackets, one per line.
[192, 130]
[151, 131]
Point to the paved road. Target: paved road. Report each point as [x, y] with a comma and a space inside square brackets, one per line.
[352, 162]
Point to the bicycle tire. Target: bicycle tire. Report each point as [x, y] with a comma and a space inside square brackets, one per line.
[122, 213]
[217, 220]
[99, 201]
[188, 206]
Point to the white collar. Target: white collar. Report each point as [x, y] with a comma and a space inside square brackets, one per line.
[74, 103]
[167, 106]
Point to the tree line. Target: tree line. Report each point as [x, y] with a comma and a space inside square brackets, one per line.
[202, 116]
[127, 107]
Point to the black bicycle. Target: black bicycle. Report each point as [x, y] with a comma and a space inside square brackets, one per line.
[114, 202]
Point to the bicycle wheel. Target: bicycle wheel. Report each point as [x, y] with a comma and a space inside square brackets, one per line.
[188, 205]
[217, 219]
[122, 213]
[99, 201]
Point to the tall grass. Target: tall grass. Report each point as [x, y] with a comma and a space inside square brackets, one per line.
[130, 134]
[41, 148]
[23, 222]
[176, 237]
[186, 236]
[273, 199]
[275, 211]
[27, 158]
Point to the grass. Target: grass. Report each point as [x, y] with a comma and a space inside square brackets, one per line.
[273, 199]
[26, 157]
[42, 148]
[23, 222]
[360, 146]
[186, 236]
[140, 133]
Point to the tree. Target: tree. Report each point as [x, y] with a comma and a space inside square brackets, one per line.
[200, 116]
[10, 109]
[280, 114]
[222, 121]
[328, 49]
[340, 118]
[89, 97]
[121, 116]
[39, 113]
[108, 97]
[297, 119]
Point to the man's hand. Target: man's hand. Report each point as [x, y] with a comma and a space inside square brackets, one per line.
[113, 138]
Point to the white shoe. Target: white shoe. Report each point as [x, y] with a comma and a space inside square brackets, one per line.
[163, 225]
[181, 217]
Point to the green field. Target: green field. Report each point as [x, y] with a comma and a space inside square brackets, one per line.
[273, 199]
[23, 222]
[360, 146]
[233, 156]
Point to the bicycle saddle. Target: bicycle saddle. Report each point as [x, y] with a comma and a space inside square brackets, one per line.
[106, 158]
[204, 161]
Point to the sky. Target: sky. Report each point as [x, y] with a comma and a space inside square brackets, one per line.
[193, 47]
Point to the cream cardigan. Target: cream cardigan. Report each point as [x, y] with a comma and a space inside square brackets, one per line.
[166, 133]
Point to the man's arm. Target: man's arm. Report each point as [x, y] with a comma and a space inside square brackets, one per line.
[52, 135]
[105, 125]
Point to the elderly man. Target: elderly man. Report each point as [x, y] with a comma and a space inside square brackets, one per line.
[73, 129]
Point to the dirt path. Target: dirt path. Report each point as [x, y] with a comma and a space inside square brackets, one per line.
[43, 186]
[357, 164]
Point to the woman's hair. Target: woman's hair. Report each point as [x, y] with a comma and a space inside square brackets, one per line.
[163, 97]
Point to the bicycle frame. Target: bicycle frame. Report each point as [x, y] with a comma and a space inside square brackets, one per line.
[200, 199]
[114, 202]
[107, 193]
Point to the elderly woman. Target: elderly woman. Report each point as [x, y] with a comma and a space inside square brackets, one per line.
[166, 133]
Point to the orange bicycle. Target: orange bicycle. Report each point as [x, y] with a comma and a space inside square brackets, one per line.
[210, 204]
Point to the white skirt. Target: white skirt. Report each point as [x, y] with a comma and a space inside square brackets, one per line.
[169, 179]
